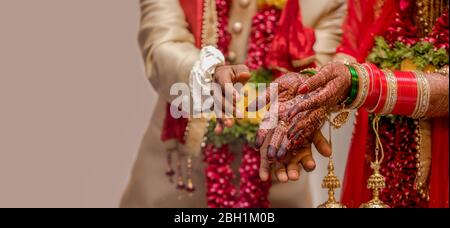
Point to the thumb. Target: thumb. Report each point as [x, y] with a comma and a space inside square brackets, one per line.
[321, 144]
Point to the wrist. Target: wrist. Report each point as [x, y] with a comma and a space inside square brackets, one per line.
[201, 76]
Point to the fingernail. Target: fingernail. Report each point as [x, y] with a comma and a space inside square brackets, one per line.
[281, 153]
[303, 89]
[259, 141]
[271, 153]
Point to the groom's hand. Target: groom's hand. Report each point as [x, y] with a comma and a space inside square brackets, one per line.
[229, 74]
[290, 169]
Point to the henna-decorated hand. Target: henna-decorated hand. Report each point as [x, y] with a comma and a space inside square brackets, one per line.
[274, 144]
[286, 86]
[333, 80]
[279, 142]
[229, 74]
[273, 140]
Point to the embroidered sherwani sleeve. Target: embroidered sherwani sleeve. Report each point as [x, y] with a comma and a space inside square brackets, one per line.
[167, 45]
[328, 31]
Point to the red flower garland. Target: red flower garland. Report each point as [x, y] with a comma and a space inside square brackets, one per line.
[399, 164]
[224, 36]
[403, 30]
[253, 192]
[264, 24]
[221, 193]
[439, 35]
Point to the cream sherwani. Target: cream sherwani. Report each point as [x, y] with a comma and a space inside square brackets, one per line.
[169, 53]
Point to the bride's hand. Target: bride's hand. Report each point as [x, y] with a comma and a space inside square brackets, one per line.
[334, 81]
[286, 89]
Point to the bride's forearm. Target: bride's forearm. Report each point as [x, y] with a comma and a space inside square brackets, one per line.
[438, 104]
[413, 94]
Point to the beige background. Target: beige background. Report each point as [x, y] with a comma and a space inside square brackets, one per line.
[74, 103]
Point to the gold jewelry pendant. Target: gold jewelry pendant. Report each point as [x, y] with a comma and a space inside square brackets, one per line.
[341, 118]
[376, 180]
[331, 181]
[376, 183]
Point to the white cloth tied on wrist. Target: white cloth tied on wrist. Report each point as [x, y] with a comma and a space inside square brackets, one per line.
[201, 76]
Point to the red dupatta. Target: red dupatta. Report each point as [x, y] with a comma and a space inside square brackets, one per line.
[292, 46]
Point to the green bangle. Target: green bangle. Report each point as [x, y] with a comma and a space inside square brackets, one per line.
[354, 85]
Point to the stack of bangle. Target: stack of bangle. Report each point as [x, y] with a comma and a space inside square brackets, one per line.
[386, 92]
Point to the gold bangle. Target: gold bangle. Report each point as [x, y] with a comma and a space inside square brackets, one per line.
[363, 87]
[423, 95]
[391, 93]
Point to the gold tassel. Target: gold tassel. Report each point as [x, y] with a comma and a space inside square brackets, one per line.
[376, 180]
[331, 181]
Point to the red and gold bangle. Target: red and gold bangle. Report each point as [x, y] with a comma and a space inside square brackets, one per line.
[406, 93]
[391, 96]
[383, 93]
[363, 87]
[423, 95]
[375, 85]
